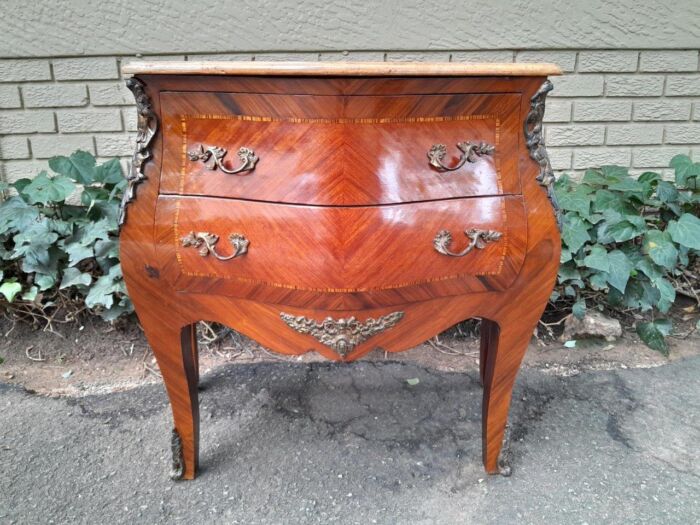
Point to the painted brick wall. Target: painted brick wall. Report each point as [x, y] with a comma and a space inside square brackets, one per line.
[636, 108]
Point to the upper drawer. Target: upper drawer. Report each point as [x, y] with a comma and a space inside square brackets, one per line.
[340, 150]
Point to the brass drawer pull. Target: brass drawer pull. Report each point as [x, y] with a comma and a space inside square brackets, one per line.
[206, 242]
[479, 239]
[470, 153]
[213, 157]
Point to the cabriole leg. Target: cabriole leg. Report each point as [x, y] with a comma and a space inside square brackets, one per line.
[175, 349]
[505, 352]
[489, 331]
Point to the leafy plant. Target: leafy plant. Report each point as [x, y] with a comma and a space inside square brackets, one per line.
[58, 240]
[629, 240]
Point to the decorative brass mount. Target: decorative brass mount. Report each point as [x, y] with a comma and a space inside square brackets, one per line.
[470, 153]
[206, 242]
[479, 239]
[534, 139]
[342, 335]
[213, 157]
[177, 468]
[147, 125]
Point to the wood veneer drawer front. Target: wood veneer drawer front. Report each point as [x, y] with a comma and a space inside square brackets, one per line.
[340, 249]
[340, 150]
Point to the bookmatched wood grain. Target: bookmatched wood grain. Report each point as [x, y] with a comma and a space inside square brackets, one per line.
[321, 254]
[342, 149]
[316, 254]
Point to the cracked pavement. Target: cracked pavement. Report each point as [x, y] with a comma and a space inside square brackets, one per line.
[326, 443]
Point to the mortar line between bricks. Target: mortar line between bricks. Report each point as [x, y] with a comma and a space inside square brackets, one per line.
[515, 49]
[643, 59]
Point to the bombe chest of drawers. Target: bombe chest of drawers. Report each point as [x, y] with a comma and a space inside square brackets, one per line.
[339, 208]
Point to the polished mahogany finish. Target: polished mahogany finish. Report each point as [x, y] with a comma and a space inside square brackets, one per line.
[336, 250]
[341, 150]
[338, 211]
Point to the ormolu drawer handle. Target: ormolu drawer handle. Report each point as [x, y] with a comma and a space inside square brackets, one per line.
[479, 239]
[213, 157]
[206, 241]
[470, 152]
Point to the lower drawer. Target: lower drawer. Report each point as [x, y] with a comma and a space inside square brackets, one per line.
[338, 250]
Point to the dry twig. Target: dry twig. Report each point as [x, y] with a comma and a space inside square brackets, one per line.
[37, 359]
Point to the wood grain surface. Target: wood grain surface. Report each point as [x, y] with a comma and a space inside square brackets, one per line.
[338, 250]
[379, 69]
[339, 150]
[337, 260]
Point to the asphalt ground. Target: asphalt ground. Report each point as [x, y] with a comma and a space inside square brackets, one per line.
[326, 443]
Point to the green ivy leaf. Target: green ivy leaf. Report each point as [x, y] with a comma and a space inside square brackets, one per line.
[80, 167]
[614, 174]
[16, 215]
[95, 230]
[579, 309]
[595, 218]
[31, 294]
[106, 253]
[44, 190]
[108, 210]
[685, 170]
[60, 227]
[597, 259]
[650, 296]
[118, 309]
[45, 281]
[649, 178]
[620, 269]
[47, 268]
[10, 289]
[90, 196]
[599, 280]
[626, 230]
[640, 294]
[575, 233]
[594, 178]
[667, 294]
[565, 255]
[33, 243]
[686, 231]
[568, 272]
[607, 200]
[102, 292]
[667, 192]
[659, 246]
[19, 185]
[109, 173]
[578, 200]
[74, 277]
[562, 184]
[628, 185]
[614, 298]
[646, 265]
[653, 334]
[77, 252]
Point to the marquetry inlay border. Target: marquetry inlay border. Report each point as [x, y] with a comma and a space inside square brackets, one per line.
[251, 118]
[379, 120]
